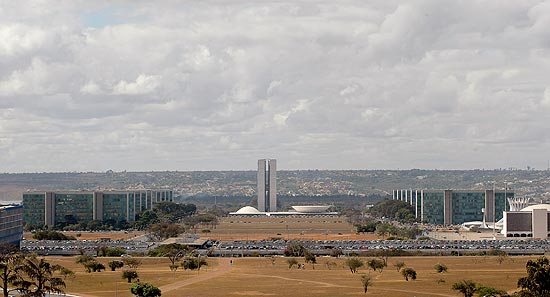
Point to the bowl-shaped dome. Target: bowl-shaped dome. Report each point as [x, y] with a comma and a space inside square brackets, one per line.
[248, 210]
[311, 208]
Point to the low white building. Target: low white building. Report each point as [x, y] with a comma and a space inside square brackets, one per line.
[532, 221]
[298, 210]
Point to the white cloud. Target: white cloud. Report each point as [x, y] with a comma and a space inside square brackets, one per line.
[142, 85]
[546, 98]
[91, 88]
[318, 84]
[17, 39]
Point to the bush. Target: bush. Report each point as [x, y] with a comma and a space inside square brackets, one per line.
[115, 264]
[140, 289]
[353, 264]
[376, 264]
[440, 268]
[398, 265]
[294, 250]
[409, 273]
[51, 235]
[129, 275]
[193, 263]
[291, 262]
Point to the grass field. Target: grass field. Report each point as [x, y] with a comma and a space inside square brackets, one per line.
[307, 227]
[260, 277]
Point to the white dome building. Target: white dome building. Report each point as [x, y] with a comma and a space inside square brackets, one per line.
[248, 210]
[536, 206]
[311, 208]
[531, 221]
[303, 210]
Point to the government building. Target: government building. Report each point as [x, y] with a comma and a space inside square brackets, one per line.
[50, 208]
[11, 225]
[453, 207]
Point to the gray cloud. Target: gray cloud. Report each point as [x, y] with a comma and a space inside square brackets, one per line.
[317, 84]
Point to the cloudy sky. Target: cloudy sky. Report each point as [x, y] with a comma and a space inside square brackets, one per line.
[215, 85]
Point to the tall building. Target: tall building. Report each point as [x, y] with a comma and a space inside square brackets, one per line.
[267, 185]
[451, 207]
[51, 208]
[11, 225]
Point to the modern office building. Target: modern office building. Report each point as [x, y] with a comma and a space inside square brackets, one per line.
[11, 225]
[451, 207]
[50, 208]
[267, 185]
[532, 221]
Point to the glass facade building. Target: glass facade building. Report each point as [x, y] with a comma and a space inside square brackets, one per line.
[11, 225]
[448, 207]
[51, 208]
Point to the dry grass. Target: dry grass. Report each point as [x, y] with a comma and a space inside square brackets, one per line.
[258, 277]
[254, 228]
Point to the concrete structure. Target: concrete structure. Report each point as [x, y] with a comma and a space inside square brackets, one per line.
[299, 210]
[69, 207]
[267, 185]
[451, 207]
[311, 208]
[532, 221]
[11, 225]
[518, 203]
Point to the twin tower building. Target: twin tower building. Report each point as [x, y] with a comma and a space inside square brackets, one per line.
[267, 185]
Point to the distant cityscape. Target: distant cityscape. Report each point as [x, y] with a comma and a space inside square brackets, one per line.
[533, 184]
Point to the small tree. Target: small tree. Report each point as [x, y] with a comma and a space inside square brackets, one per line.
[376, 264]
[193, 263]
[501, 255]
[66, 273]
[9, 263]
[129, 275]
[38, 277]
[366, 281]
[466, 287]
[164, 230]
[310, 258]
[336, 252]
[354, 264]
[82, 259]
[115, 264]
[291, 262]
[483, 291]
[399, 265]
[440, 268]
[294, 250]
[537, 281]
[384, 254]
[94, 266]
[140, 289]
[409, 273]
[330, 265]
[132, 263]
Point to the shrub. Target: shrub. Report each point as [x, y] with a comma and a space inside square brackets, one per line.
[291, 262]
[440, 268]
[353, 264]
[409, 273]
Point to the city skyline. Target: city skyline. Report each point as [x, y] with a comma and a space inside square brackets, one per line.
[156, 86]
